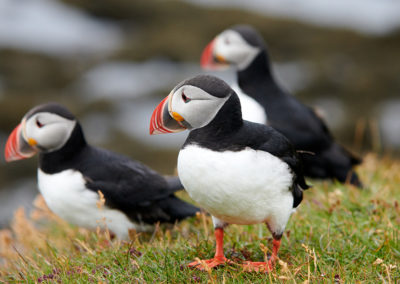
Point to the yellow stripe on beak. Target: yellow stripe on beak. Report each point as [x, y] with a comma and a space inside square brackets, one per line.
[32, 142]
[220, 58]
[177, 116]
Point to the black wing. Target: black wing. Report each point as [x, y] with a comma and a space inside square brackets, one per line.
[138, 191]
[303, 126]
[278, 145]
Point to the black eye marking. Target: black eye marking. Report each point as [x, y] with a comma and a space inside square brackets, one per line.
[185, 98]
[227, 41]
[40, 125]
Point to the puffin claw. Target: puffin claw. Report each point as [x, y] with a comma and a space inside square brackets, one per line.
[263, 267]
[209, 263]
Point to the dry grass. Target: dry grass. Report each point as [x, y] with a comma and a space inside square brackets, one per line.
[339, 234]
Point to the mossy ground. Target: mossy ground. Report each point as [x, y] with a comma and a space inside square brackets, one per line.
[339, 234]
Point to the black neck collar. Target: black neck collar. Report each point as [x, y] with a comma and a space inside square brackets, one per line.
[256, 74]
[63, 158]
[229, 117]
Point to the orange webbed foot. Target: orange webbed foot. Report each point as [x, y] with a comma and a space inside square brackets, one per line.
[209, 263]
[263, 267]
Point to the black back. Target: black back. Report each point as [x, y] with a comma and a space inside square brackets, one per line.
[296, 121]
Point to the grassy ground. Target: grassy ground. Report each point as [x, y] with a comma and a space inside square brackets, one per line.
[339, 234]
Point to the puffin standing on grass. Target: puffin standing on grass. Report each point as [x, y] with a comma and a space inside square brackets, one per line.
[239, 171]
[241, 46]
[71, 173]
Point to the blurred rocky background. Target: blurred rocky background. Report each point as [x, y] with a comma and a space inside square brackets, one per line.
[111, 62]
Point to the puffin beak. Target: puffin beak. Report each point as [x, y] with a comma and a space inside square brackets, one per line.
[211, 61]
[207, 57]
[164, 120]
[17, 148]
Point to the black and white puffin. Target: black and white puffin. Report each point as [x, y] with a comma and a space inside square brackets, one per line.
[71, 172]
[241, 46]
[239, 171]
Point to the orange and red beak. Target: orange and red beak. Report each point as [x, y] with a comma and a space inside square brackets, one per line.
[210, 60]
[164, 120]
[207, 57]
[17, 148]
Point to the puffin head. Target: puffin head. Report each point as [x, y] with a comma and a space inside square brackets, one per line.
[192, 104]
[45, 128]
[236, 46]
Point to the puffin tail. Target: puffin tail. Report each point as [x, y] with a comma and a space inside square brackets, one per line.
[174, 183]
[342, 162]
[354, 159]
[178, 209]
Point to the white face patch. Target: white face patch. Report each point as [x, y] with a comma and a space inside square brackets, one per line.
[234, 49]
[49, 130]
[197, 107]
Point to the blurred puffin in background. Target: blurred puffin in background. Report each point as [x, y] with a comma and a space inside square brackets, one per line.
[239, 171]
[71, 173]
[241, 46]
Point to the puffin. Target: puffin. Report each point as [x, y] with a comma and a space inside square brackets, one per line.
[242, 47]
[239, 171]
[71, 173]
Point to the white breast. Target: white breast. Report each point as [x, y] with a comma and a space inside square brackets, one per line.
[251, 109]
[66, 195]
[244, 187]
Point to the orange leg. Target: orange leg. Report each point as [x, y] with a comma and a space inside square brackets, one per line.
[264, 266]
[219, 258]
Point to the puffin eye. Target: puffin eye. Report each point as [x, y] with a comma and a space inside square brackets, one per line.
[227, 41]
[40, 125]
[185, 98]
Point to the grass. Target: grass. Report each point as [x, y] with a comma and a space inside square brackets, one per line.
[339, 234]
